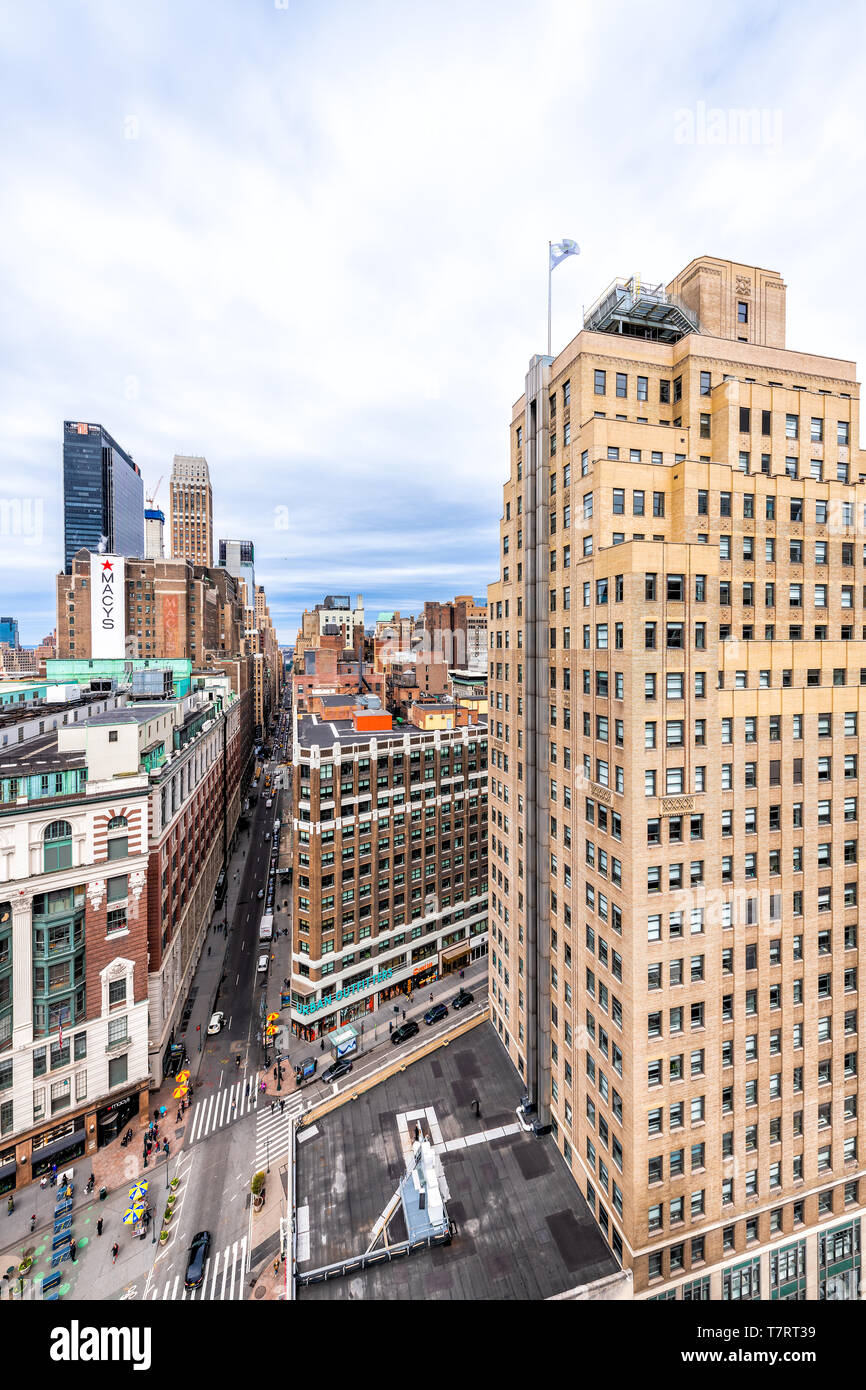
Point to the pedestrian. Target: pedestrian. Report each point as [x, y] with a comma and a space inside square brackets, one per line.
[165, 1148]
[99, 1227]
[33, 1223]
[404, 1013]
[263, 1087]
[282, 1106]
[72, 1249]
[115, 1250]
[461, 974]
[390, 1027]
[208, 950]
[322, 1045]
[177, 1121]
[431, 996]
[273, 1106]
[275, 1073]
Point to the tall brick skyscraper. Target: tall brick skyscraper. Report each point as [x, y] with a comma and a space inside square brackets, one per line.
[678, 696]
[191, 510]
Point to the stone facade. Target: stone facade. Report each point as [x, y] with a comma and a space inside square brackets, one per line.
[677, 677]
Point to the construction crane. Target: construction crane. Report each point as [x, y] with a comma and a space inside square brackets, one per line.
[151, 501]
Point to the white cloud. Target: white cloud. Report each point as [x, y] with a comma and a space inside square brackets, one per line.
[322, 260]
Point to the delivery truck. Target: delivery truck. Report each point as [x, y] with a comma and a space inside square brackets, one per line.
[266, 927]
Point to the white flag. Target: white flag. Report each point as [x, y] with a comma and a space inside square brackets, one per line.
[560, 249]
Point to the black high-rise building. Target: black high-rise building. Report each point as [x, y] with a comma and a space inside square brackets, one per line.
[103, 494]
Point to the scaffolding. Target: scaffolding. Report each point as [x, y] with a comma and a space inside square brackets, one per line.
[637, 309]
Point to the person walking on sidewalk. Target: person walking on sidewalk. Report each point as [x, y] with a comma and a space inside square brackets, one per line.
[33, 1223]
[99, 1227]
[73, 1248]
[115, 1250]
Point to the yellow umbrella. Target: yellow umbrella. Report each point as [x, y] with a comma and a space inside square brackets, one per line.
[273, 1018]
[133, 1214]
[179, 1091]
[138, 1192]
[182, 1076]
[271, 1031]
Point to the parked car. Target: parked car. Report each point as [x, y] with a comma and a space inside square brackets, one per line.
[262, 965]
[337, 1069]
[434, 1014]
[406, 1030]
[261, 893]
[216, 1022]
[198, 1253]
[462, 999]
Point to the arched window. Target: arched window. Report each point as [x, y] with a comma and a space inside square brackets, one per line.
[57, 846]
[118, 837]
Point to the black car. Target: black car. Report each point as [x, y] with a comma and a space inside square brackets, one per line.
[462, 999]
[198, 1253]
[434, 1014]
[337, 1069]
[406, 1030]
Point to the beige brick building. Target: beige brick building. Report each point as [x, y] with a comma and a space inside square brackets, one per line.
[677, 700]
[191, 510]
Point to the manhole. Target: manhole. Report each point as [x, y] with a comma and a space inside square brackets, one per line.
[260, 1291]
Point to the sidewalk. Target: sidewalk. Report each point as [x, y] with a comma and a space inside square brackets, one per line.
[114, 1166]
[373, 1030]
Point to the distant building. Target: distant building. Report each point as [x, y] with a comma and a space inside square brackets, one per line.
[9, 631]
[457, 631]
[103, 494]
[335, 616]
[190, 510]
[391, 924]
[154, 528]
[239, 558]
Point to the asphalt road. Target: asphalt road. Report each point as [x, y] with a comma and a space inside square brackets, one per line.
[217, 1160]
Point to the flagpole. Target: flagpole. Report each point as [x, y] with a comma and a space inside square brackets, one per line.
[549, 283]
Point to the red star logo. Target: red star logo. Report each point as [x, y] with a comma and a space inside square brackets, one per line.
[107, 565]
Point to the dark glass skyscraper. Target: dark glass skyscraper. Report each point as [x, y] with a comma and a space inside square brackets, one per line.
[103, 494]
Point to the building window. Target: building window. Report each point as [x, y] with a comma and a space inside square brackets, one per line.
[57, 846]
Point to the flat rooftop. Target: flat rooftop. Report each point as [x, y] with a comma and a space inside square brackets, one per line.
[523, 1230]
[314, 731]
[38, 754]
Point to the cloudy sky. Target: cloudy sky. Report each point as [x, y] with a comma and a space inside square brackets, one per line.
[308, 239]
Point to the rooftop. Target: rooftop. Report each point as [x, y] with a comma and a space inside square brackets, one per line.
[523, 1230]
[638, 309]
[315, 732]
[39, 754]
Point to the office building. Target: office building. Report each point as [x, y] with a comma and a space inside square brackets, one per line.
[190, 510]
[168, 608]
[677, 672]
[456, 631]
[118, 816]
[9, 631]
[103, 494]
[154, 533]
[390, 854]
[239, 558]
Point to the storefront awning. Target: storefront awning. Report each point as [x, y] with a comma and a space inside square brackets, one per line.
[451, 952]
[58, 1145]
[7, 1170]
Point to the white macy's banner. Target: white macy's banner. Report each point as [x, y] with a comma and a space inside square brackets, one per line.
[107, 605]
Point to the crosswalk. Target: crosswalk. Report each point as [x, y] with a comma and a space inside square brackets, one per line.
[223, 1278]
[272, 1129]
[221, 1107]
